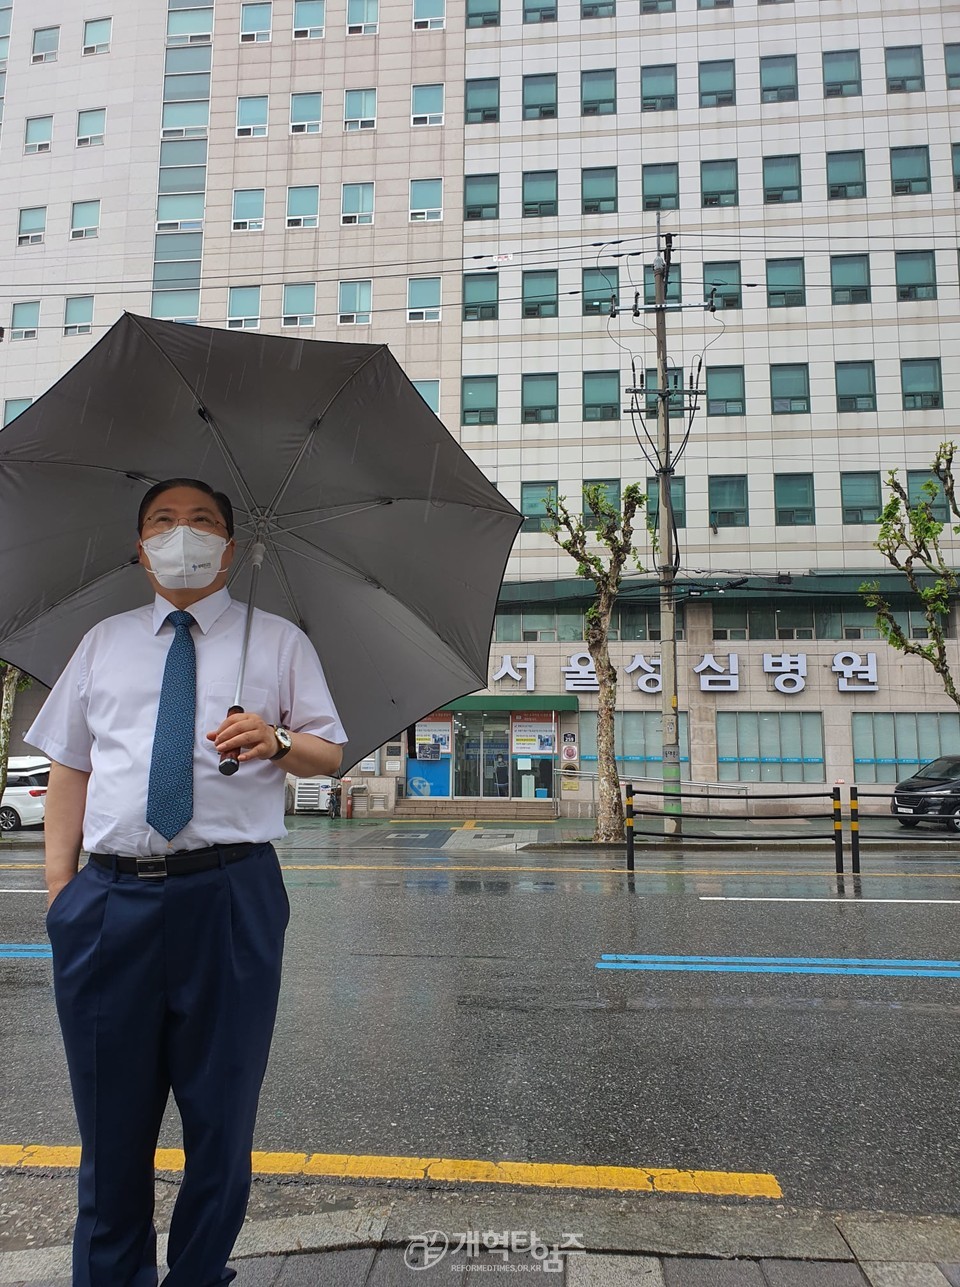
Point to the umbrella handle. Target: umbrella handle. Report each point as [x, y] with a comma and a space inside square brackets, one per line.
[228, 760]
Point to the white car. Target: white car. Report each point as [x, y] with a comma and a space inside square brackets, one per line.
[25, 796]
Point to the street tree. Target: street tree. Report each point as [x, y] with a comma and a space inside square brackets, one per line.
[909, 539]
[14, 681]
[602, 548]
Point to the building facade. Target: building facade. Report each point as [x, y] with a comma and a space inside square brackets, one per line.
[478, 184]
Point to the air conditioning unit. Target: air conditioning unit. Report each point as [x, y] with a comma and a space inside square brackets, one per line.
[30, 239]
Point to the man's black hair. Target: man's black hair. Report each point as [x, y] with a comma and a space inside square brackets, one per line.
[222, 500]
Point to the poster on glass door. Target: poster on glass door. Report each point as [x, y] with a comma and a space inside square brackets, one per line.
[533, 733]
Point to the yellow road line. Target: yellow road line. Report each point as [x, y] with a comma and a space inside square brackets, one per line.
[547, 1175]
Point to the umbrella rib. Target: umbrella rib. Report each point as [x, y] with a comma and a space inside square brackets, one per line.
[315, 425]
[9, 462]
[285, 585]
[205, 416]
[87, 585]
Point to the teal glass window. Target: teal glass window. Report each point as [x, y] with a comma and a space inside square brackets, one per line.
[856, 386]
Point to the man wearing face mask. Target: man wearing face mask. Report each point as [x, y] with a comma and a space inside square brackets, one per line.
[167, 944]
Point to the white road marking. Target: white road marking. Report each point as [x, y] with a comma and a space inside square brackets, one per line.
[722, 898]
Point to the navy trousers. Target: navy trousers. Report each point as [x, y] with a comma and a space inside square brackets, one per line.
[163, 985]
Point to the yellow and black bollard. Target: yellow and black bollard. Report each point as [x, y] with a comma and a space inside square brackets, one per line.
[855, 831]
[628, 820]
[838, 830]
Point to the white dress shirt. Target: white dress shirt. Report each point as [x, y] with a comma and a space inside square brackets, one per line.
[100, 717]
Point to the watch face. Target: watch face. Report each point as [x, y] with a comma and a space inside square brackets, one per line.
[284, 738]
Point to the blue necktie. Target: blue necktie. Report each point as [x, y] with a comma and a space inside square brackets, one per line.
[170, 792]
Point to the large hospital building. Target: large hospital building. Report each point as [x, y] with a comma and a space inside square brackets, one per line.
[477, 184]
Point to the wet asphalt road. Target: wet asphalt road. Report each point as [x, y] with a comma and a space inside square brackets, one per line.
[443, 1002]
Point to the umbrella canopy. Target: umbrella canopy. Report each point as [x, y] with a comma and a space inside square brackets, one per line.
[384, 541]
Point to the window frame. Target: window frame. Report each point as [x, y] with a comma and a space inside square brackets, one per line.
[861, 400]
[782, 505]
[735, 373]
[534, 410]
[596, 410]
[730, 514]
[488, 411]
[786, 290]
[714, 196]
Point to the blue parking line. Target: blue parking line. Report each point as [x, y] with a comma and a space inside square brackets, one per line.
[40, 951]
[782, 965]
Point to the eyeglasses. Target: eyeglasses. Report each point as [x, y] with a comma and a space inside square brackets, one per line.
[205, 524]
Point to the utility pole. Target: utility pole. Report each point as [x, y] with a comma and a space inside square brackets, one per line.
[666, 550]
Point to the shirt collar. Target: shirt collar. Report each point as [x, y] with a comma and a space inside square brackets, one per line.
[205, 612]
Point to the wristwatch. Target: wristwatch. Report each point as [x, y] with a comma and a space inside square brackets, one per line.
[284, 739]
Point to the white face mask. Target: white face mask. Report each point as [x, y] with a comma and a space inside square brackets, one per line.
[183, 559]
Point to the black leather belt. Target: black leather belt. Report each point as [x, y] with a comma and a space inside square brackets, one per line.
[158, 866]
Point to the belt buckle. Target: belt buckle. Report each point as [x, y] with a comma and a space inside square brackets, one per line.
[153, 868]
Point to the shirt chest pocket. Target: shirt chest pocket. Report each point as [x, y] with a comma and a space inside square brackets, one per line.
[218, 698]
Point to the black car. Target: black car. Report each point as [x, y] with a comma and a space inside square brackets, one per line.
[931, 795]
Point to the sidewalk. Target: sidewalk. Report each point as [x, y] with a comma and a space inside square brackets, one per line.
[661, 1243]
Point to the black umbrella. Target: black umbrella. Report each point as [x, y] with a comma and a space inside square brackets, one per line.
[381, 538]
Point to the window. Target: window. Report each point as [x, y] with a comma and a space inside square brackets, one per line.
[601, 395]
[481, 196]
[718, 87]
[601, 290]
[598, 190]
[90, 127]
[354, 303]
[638, 739]
[539, 193]
[429, 390]
[661, 186]
[31, 225]
[46, 43]
[778, 79]
[248, 210]
[14, 407]
[916, 274]
[956, 167]
[785, 283]
[190, 26]
[925, 488]
[598, 8]
[728, 500]
[308, 19]
[725, 392]
[481, 295]
[888, 747]
[37, 134]
[360, 109]
[678, 502]
[598, 92]
[846, 175]
[299, 304]
[255, 20]
[6, 9]
[356, 203]
[84, 220]
[252, 117]
[910, 170]
[658, 6]
[306, 111]
[674, 390]
[180, 212]
[856, 386]
[303, 206]
[25, 320]
[183, 165]
[243, 308]
[841, 73]
[423, 299]
[674, 292]
[921, 383]
[721, 284]
[96, 36]
[718, 183]
[363, 17]
[539, 293]
[534, 499]
[478, 405]
[429, 15]
[770, 746]
[781, 179]
[483, 13]
[186, 120]
[177, 260]
[904, 69]
[714, 4]
[539, 97]
[790, 388]
[951, 58]
[860, 496]
[793, 500]
[609, 489]
[78, 315]
[176, 305]
[426, 105]
[850, 279]
[426, 200]
[539, 11]
[658, 88]
[539, 399]
[481, 101]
